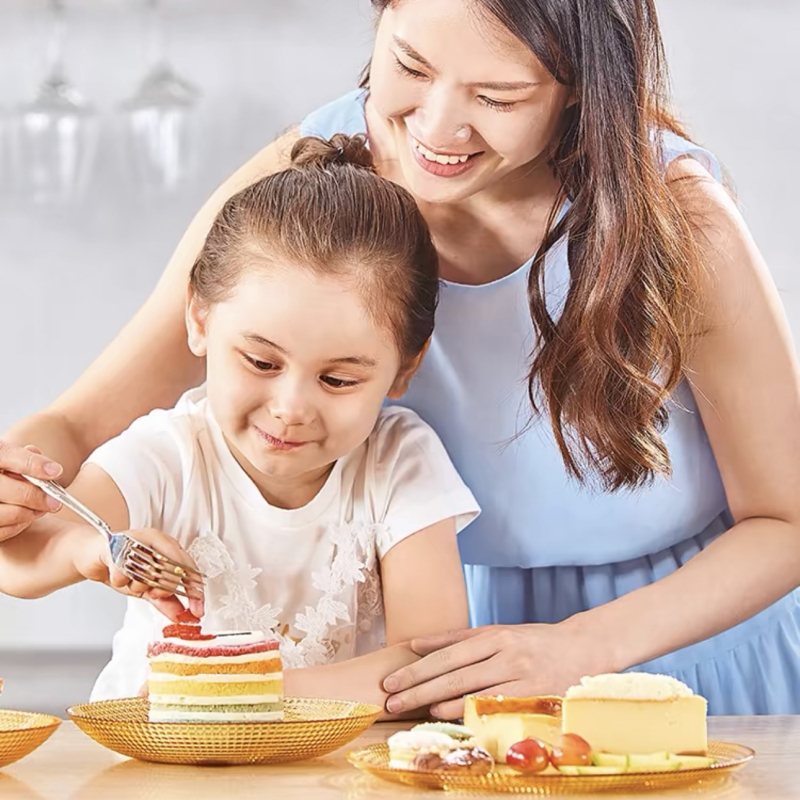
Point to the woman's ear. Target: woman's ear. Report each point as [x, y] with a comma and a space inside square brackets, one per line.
[407, 371]
[196, 324]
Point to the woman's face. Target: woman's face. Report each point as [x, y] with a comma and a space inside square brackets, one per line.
[466, 103]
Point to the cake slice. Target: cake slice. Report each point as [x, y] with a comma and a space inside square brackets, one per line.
[637, 712]
[498, 722]
[224, 677]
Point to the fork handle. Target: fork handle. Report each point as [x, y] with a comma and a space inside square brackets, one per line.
[57, 491]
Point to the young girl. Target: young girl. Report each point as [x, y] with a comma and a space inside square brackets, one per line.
[312, 511]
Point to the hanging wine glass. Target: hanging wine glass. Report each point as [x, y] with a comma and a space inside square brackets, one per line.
[161, 123]
[55, 135]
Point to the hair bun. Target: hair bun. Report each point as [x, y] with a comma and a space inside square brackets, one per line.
[313, 151]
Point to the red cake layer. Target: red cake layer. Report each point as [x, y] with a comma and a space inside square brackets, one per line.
[157, 648]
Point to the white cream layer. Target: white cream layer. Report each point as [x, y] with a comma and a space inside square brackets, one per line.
[156, 715]
[215, 677]
[245, 659]
[206, 700]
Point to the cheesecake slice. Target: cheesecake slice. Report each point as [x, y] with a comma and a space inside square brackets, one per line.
[637, 712]
[498, 722]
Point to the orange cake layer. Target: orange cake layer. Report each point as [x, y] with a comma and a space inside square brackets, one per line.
[203, 667]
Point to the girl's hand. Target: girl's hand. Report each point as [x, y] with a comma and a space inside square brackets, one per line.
[94, 563]
[21, 502]
[513, 660]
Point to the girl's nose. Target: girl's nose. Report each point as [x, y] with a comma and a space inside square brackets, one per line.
[290, 404]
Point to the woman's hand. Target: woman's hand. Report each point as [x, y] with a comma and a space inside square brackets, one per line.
[514, 660]
[94, 563]
[21, 502]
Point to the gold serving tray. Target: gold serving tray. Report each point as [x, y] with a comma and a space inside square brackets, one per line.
[312, 727]
[21, 732]
[375, 760]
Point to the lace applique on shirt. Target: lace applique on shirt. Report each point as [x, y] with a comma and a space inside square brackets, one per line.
[231, 589]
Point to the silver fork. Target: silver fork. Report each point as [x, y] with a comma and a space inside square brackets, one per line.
[132, 558]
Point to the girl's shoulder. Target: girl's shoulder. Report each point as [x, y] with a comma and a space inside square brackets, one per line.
[343, 115]
[404, 481]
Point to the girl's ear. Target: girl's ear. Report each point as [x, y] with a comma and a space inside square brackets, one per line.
[196, 324]
[406, 373]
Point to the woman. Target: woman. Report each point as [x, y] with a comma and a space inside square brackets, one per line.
[648, 512]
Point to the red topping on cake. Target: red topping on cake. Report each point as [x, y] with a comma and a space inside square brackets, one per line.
[187, 618]
[157, 648]
[186, 632]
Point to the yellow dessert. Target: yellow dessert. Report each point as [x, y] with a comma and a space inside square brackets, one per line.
[499, 722]
[636, 713]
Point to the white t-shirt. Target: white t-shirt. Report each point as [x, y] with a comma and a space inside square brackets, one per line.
[310, 574]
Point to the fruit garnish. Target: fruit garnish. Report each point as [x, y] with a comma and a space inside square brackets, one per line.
[186, 632]
[571, 750]
[529, 755]
[187, 618]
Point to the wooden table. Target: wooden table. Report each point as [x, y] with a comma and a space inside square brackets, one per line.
[71, 766]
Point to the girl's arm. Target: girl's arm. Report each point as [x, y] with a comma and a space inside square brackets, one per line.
[745, 379]
[61, 549]
[148, 365]
[423, 594]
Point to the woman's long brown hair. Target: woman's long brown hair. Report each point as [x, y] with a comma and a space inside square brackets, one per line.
[605, 365]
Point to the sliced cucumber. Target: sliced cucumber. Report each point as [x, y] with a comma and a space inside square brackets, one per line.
[609, 760]
[692, 762]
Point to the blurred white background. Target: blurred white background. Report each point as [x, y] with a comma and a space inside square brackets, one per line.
[72, 274]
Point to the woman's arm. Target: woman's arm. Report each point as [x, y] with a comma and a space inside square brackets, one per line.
[744, 376]
[148, 365]
[423, 594]
[61, 549]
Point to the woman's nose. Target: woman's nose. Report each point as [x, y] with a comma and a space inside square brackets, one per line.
[441, 120]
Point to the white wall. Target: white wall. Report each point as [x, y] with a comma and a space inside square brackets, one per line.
[69, 279]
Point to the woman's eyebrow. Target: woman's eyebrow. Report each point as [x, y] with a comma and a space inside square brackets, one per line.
[494, 86]
[412, 53]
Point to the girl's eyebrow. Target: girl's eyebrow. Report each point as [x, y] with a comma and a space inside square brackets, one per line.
[358, 361]
[492, 86]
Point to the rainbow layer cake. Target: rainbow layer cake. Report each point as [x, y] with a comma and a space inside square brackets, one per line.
[225, 677]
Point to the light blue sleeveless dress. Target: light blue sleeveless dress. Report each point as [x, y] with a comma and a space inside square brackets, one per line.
[545, 547]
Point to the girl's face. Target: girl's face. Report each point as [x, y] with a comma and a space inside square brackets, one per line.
[297, 372]
[452, 85]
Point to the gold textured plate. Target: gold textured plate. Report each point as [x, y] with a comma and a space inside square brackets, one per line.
[312, 728]
[375, 760]
[21, 732]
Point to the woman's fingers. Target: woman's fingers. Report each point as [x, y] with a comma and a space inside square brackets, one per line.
[27, 461]
[16, 491]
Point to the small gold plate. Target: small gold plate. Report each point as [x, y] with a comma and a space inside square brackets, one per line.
[312, 727]
[21, 732]
[375, 760]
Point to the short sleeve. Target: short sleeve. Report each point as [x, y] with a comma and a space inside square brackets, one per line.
[412, 481]
[147, 463]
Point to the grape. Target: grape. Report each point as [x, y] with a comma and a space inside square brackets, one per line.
[529, 755]
[570, 750]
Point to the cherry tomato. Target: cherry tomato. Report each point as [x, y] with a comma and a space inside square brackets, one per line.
[529, 755]
[571, 750]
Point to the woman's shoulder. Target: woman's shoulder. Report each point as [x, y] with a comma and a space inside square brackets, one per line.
[675, 147]
[343, 115]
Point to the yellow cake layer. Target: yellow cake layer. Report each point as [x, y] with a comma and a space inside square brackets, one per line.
[200, 688]
[201, 667]
[674, 725]
[506, 722]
